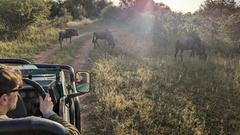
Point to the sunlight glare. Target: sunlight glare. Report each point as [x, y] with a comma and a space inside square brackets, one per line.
[182, 5]
[177, 5]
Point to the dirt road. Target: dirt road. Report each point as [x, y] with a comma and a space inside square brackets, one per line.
[44, 55]
[80, 63]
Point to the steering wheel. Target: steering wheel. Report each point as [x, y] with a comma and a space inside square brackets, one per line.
[20, 110]
[35, 85]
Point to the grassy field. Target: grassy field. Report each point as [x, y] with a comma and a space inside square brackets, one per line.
[141, 90]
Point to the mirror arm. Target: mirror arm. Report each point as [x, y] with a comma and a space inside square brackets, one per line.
[70, 96]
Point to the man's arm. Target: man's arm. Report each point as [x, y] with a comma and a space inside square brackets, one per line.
[46, 107]
[69, 127]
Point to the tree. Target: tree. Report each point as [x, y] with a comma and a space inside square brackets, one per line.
[220, 4]
[218, 8]
[214, 12]
[57, 9]
[127, 3]
[17, 15]
[233, 30]
[111, 12]
[87, 8]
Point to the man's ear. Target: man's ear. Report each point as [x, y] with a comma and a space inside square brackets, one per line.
[4, 99]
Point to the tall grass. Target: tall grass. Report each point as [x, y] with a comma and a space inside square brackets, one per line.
[144, 90]
[28, 43]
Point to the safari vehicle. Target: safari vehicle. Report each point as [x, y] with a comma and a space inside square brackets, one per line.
[39, 79]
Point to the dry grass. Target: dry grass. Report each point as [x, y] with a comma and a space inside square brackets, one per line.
[142, 93]
[77, 23]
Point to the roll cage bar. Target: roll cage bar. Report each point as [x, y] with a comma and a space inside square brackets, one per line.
[25, 62]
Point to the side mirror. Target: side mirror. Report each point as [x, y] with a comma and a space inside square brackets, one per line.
[82, 80]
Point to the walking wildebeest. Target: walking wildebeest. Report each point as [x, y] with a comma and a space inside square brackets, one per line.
[68, 33]
[103, 35]
[193, 43]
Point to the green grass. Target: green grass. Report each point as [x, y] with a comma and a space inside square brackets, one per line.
[68, 53]
[29, 43]
[141, 89]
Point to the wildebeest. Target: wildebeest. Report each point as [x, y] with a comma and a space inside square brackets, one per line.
[68, 33]
[103, 35]
[190, 42]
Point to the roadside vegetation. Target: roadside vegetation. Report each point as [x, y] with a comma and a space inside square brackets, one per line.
[32, 26]
[141, 89]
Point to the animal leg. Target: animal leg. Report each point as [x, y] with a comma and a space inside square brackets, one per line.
[192, 53]
[181, 55]
[112, 43]
[97, 45]
[176, 52]
[109, 45]
[60, 41]
[94, 40]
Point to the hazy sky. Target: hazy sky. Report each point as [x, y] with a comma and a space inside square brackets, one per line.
[180, 5]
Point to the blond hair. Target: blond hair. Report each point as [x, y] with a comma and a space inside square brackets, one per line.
[10, 78]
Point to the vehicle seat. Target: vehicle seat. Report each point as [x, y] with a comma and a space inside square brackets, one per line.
[31, 126]
[20, 110]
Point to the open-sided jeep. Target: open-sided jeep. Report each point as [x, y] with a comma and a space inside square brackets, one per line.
[57, 80]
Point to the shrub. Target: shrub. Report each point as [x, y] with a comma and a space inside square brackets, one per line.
[17, 15]
[61, 21]
[111, 12]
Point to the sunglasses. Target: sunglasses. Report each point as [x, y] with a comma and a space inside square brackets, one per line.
[13, 90]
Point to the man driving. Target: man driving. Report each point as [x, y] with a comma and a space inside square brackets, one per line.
[10, 84]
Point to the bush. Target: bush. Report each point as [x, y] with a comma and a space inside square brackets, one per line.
[17, 15]
[61, 21]
[111, 12]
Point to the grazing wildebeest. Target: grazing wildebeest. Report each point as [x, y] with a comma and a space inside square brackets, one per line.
[103, 35]
[68, 33]
[193, 43]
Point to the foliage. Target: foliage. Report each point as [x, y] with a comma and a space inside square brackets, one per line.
[86, 8]
[111, 12]
[31, 41]
[57, 9]
[15, 16]
[61, 21]
[144, 5]
[232, 25]
[220, 4]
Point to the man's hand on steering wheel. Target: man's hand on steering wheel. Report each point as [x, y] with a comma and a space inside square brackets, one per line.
[46, 106]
